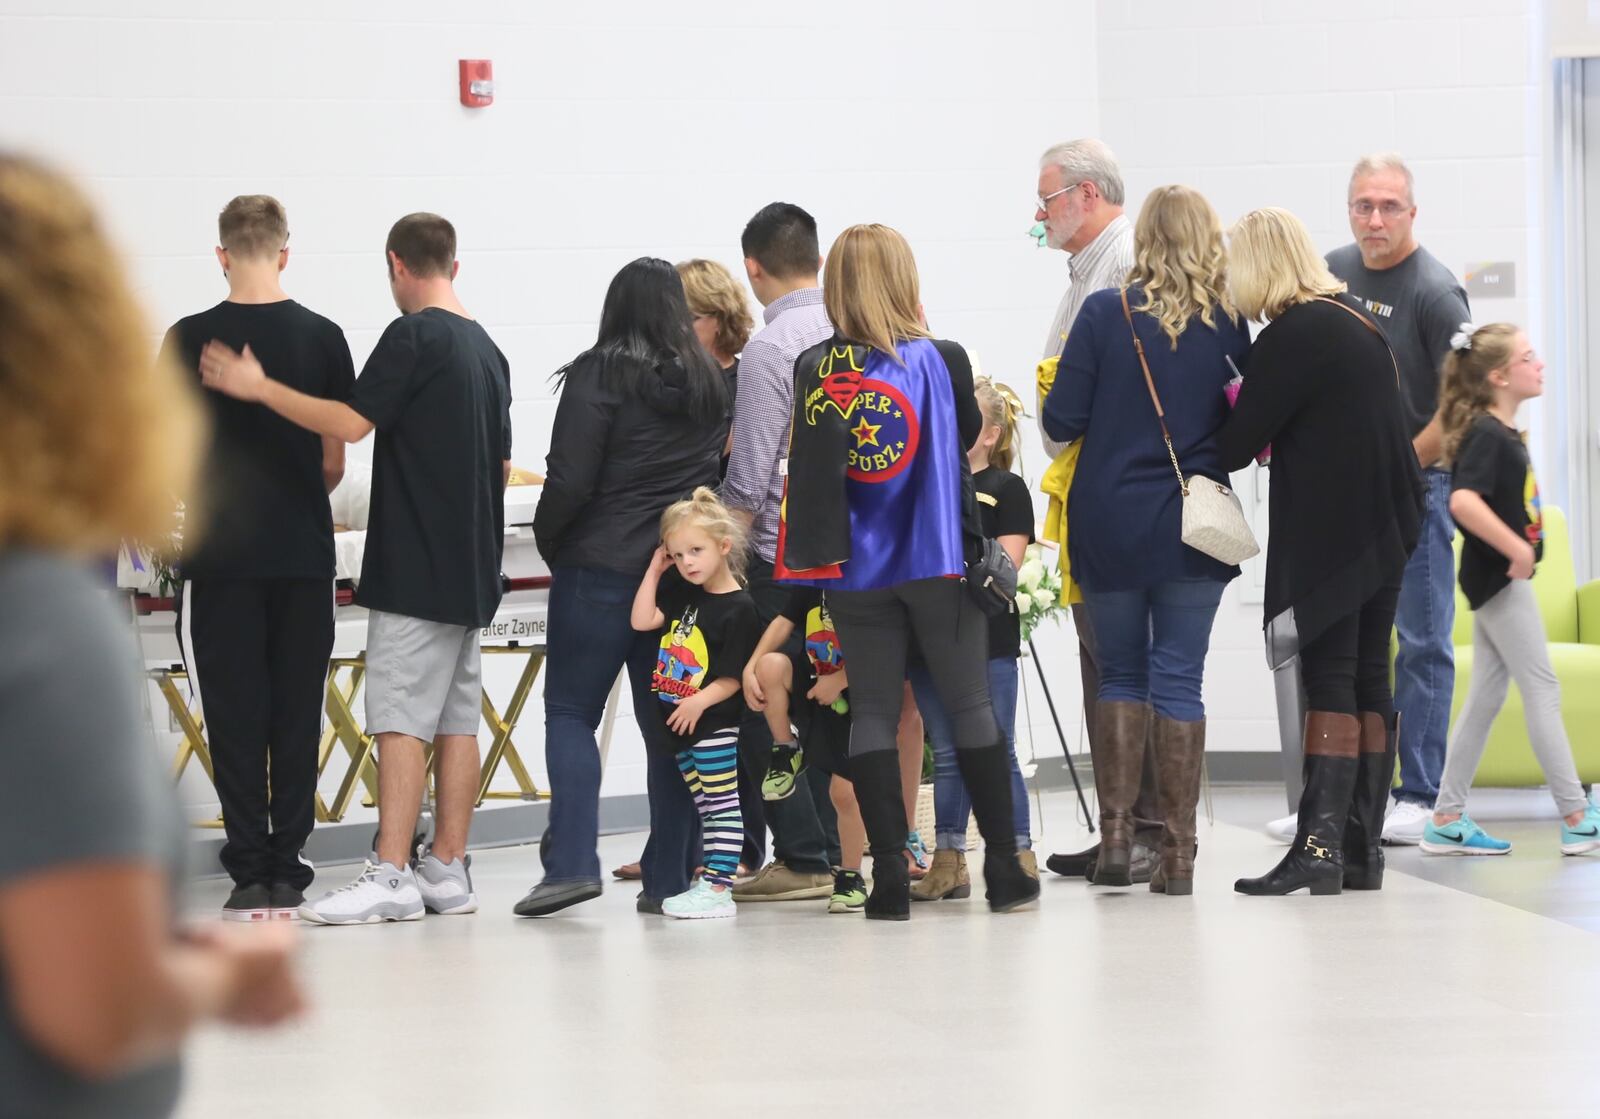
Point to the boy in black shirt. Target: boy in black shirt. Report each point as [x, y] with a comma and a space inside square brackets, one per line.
[438, 392]
[255, 613]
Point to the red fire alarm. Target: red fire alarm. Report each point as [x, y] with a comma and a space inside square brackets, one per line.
[477, 82]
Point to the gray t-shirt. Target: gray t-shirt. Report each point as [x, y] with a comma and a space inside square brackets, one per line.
[79, 783]
[1419, 304]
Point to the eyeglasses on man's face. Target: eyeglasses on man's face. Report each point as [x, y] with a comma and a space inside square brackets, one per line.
[1390, 210]
[1044, 199]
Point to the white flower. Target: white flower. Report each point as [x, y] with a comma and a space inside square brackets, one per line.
[1031, 573]
[1024, 602]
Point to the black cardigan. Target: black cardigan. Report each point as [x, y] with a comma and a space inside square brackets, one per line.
[1347, 494]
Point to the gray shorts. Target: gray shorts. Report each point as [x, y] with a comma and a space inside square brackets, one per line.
[423, 678]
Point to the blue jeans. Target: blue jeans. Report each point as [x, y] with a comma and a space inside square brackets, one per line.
[951, 805]
[1425, 670]
[1153, 642]
[590, 640]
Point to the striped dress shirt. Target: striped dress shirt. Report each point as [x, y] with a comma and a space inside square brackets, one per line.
[1102, 263]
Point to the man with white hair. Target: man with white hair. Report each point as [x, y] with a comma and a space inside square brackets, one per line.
[1080, 205]
[1420, 304]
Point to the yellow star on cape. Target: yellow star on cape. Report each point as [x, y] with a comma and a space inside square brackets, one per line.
[865, 433]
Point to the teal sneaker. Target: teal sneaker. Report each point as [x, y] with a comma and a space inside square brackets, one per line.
[918, 850]
[783, 767]
[1461, 837]
[849, 892]
[700, 902]
[1585, 837]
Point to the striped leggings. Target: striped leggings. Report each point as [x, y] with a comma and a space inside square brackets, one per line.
[711, 769]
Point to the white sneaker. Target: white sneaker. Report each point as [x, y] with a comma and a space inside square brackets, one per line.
[1282, 830]
[445, 887]
[381, 892]
[1404, 824]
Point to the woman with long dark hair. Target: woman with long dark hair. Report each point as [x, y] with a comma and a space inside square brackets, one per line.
[880, 510]
[641, 422]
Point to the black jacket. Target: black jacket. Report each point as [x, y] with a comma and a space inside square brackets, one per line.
[1347, 493]
[623, 448]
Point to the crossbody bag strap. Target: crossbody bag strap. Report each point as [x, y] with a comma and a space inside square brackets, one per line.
[1370, 325]
[1155, 398]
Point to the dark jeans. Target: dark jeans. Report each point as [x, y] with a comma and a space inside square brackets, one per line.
[1153, 643]
[801, 835]
[1425, 669]
[875, 630]
[1346, 667]
[951, 805]
[257, 654]
[590, 640]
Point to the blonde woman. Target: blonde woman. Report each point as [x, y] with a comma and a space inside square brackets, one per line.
[97, 988]
[1346, 511]
[722, 322]
[1151, 598]
[879, 507]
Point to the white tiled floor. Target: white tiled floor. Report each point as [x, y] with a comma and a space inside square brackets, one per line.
[1098, 1002]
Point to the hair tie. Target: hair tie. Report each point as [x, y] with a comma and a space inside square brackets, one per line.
[1462, 339]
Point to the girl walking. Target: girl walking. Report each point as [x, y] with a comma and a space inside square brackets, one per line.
[1494, 499]
[692, 597]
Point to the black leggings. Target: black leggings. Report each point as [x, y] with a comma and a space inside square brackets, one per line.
[875, 630]
[1346, 668]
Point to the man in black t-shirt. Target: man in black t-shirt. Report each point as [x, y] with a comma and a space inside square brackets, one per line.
[255, 612]
[437, 391]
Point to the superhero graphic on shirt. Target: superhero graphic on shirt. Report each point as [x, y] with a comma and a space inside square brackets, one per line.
[681, 664]
[822, 642]
[1535, 508]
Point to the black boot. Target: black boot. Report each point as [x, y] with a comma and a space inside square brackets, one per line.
[1316, 858]
[876, 776]
[1363, 834]
[986, 771]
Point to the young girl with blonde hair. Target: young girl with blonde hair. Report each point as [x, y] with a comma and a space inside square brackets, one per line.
[1494, 499]
[692, 595]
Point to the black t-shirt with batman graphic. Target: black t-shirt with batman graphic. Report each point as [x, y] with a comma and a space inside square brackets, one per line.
[1493, 462]
[706, 637]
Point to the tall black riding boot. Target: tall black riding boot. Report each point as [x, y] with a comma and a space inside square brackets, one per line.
[986, 771]
[876, 776]
[1363, 834]
[1316, 858]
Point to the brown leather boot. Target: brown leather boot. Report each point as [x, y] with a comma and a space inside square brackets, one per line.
[1180, 755]
[946, 878]
[1123, 727]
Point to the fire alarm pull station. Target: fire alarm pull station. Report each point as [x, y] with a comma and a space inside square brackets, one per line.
[477, 82]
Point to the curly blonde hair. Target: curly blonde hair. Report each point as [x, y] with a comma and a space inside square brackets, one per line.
[704, 510]
[1464, 391]
[98, 439]
[712, 290]
[1178, 260]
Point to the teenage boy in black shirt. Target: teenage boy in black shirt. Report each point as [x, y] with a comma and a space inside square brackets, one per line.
[255, 612]
[438, 392]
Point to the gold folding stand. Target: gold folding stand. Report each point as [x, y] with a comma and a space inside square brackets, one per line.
[344, 681]
[503, 748]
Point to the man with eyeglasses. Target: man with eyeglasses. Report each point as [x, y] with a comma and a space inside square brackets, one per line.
[1080, 205]
[1420, 304]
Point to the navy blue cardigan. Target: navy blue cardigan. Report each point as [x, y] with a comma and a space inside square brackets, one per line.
[1125, 511]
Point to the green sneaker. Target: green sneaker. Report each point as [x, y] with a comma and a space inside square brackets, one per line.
[783, 766]
[849, 892]
[699, 902]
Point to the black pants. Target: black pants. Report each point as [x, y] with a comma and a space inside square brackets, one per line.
[257, 653]
[805, 830]
[875, 630]
[1346, 667]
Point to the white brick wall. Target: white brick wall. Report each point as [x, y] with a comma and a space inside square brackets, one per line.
[634, 128]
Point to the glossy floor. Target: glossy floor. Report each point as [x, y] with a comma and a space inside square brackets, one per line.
[1467, 985]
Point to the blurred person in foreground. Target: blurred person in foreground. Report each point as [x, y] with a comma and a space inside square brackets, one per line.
[98, 985]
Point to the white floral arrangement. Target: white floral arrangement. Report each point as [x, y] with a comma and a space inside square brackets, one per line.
[1038, 591]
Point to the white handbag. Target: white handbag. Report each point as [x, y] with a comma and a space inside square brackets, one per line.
[1213, 519]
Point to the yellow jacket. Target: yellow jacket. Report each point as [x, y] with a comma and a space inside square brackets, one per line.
[1055, 484]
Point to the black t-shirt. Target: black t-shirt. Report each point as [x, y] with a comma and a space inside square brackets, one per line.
[1493, 462]
[1004, 509]
[263, 511]
[706, 637]
[807, 609]
[438, 391]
